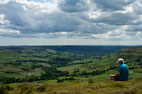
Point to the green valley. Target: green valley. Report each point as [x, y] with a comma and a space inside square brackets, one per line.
[80, 67]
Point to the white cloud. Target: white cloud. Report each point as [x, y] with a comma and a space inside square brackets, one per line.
[8, 32]
[119, 33]
[138, 36]
[3, 21]
[137, 6]
[4, 1]
[98, 19]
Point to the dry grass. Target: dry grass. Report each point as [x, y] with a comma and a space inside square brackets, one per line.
[105, 87]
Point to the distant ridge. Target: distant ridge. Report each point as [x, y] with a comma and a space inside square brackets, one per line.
[78, 49]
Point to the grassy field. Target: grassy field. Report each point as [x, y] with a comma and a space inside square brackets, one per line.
[21, 61]
[78, 87]
[75, 66]
[99, 84]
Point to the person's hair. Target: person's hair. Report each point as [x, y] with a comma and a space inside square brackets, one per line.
[120, 60]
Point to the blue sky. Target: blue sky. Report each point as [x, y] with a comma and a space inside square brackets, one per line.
[70, 22]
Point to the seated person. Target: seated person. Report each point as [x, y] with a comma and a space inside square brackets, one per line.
[123, 71]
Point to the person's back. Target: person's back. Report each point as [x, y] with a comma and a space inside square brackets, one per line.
[124, 72]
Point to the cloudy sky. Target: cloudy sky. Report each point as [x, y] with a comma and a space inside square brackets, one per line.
[70, 22]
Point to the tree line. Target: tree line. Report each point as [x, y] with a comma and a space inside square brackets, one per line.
[51, 73]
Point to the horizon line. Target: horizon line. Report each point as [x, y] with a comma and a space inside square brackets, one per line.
[65, 45]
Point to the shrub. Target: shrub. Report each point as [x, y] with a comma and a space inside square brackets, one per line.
[3, 89]
[90, 80]
[26, 88]
[60, 80]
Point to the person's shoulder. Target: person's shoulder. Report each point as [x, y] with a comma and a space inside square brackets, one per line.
[125, 65]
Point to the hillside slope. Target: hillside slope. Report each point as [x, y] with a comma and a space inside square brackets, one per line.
[32, 62]
[132, 57]
[91, 78]
[76, 87]
[19, 61]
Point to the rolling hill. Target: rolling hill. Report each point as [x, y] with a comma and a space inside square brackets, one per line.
[20, 61]
[45, 70]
